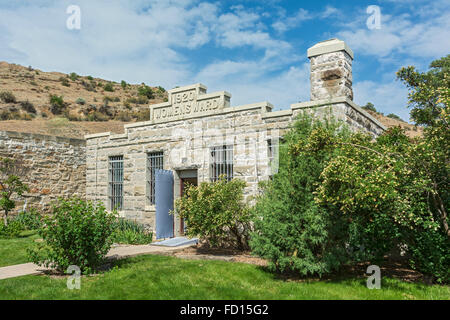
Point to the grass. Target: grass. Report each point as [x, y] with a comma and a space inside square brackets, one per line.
[162, 277]
[14, 251]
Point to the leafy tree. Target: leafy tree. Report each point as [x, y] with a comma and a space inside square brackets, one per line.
[429, 93]
[429, 100]
[123, 84]
[370, 106]
[384, 189]
[146, 91]
[11, 172]
[291, 230]
[215, 211]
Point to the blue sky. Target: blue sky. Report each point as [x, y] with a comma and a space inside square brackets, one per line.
[256, 50]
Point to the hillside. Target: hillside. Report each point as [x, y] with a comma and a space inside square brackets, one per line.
[410, 129]
[71, 105]
[77, 98]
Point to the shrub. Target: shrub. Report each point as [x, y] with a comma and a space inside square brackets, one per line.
[291, 230]
[7, 97]
[123, 84]
[57, 104]
[108, 87]
[142, 100]
[123, 116]
[30, 220]
[107, 99]
[64, 81]
[89, 86]
[77, 233]
[11, 173]
[73, 76]
[97, 116]
[143, 115]
[28, 106]
[385, 189]
[6, 115]
[105, 110]
[80, 101]
[71, 117]
[146, 91]
[131, 232]
[215, 212]
[12, 229]
[90, 78]
[26, 117]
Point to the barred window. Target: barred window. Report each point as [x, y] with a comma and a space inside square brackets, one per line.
[221, 162]
[155, 160]
[115, 190]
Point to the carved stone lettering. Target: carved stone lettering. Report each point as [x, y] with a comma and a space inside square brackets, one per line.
[187, 102]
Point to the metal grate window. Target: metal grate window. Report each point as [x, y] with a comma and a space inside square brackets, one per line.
[116, 182]
[155, 160]
[221, 162]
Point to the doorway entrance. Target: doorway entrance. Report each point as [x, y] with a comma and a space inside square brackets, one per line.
[187, 177]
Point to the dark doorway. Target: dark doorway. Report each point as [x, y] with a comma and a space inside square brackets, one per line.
[184, 183]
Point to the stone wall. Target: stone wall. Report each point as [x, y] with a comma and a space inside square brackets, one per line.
[56, 166]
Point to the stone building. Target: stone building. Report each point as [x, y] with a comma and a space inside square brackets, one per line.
[197, 136]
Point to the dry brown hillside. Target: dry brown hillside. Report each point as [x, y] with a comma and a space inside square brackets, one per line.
[410, 129]
[25, 93]
[83, 104]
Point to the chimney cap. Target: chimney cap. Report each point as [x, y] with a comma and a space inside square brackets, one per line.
[328, 46]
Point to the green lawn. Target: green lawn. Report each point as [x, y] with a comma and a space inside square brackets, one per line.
[162, 277]
[13, 251]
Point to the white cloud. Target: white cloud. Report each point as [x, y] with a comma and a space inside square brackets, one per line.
[330, 12]
[287, 23]
[403, 34]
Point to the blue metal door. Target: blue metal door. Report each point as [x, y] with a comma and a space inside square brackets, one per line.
[164, 203]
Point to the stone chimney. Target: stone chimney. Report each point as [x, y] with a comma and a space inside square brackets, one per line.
[331, 70]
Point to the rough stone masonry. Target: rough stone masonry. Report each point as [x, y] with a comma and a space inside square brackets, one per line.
[198, 135]
[56, 167]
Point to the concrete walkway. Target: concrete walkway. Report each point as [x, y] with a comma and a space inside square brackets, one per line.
[117, 252]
